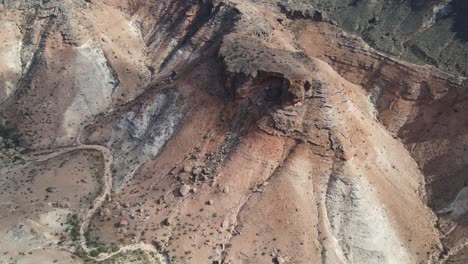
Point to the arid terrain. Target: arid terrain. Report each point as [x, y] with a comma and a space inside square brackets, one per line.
[233, 131]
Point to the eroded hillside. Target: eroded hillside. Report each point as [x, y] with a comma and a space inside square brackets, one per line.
[228, 132]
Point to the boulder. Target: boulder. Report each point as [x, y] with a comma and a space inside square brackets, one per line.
[123, 222]
[51, 189]
[184, 190]
[280, 260]
[188, 168]
[167, 222]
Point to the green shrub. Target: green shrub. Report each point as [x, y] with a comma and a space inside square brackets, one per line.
[94, 253]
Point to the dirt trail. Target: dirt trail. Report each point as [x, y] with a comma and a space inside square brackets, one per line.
[85, 218]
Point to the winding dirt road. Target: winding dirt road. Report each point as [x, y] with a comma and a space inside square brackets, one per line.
[106, 181]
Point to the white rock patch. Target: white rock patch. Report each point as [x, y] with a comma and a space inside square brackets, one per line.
[360, 225]
[10, 58]
[140, 136]
[93, 83]
[459, 206]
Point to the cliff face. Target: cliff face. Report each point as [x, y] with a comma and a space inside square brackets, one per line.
[233, 131]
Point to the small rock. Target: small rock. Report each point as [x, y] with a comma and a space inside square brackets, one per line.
[123, 222]
[184, 176]
[184, 190]
[202, 177]
[19, 149]
[167, 222]
[159, 245]
[173, 171]
[160, 200]
[280, 260]
[210, 202]
[197, 171]
[51, 189]
[346, 156]
[105, 212]
[126, 204]
[225, 224]
[188, 168]
[226, 189]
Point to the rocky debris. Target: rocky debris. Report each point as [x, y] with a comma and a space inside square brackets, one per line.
[258, 189]
[160, 200]
[132, 214]
[184, 190]
[301, 10]
[197, 171]
[106, 212]
[138, 136]
[173, 171]
[159, 245]
[117, 206]
[188, 168]
[183, 177]
[215, 159]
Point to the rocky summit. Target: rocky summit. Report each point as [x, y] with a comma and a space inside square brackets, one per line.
[234, 131]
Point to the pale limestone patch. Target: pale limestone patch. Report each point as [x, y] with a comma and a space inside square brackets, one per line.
[93, 83]
[55, 219]
[360, 224]
[10, 58]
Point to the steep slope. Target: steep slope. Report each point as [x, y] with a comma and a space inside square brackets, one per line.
[223, 132]
[433, 32]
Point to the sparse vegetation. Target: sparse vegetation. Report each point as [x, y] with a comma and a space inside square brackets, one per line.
[73, 229]
[94, 253]
[9, 133]
[114, 248]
